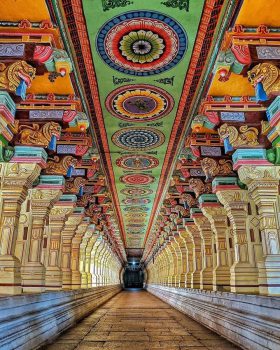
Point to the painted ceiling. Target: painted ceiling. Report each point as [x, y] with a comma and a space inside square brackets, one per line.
[141, 51]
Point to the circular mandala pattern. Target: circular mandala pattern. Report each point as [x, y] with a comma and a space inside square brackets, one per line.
[134, 191]
[137, 179]
[139, 139]
[141, 43]
[139, 103]
[136, 201]
[137, 162]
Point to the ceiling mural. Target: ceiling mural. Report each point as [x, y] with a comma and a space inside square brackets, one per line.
[141, 58]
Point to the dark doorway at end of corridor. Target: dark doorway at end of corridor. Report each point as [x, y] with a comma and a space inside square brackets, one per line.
[133, 274]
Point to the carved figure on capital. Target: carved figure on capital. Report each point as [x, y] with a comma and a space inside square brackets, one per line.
[39, 136]
[60, 166]
[13, 74]
[73, 185]
[268, 75]
[245, 136]
[199, 187]
[191, 201]
[213, 168]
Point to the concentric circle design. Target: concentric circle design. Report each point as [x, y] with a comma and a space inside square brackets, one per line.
[135, 191]
[137, 179]
[136, 201]
[136, 162]
[139, 103]
[139, 139]
[141, 43]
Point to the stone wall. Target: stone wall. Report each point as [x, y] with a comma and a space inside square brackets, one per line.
[30, 321]
[252, 322]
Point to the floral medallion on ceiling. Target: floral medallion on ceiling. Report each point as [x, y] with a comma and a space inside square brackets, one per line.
[141, 54]
[136, 201]
[141, 43]
[137, 161]
[138, 139]
[139, 103]
[137, 179]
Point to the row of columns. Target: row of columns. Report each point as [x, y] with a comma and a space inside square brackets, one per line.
[232, 245]
[46, 242]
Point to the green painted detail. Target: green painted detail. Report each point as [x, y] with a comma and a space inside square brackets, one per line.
[273, 155]
[208, 198]
[180, 4]
[51, 180]
[111, 4]
[6, 153]
[172, 82]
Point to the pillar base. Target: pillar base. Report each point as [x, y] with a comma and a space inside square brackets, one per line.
[84, 280]
[206, 278]
[10, 277]
[269, 275]
[244, 278]
[53, 278]
[189, 283]
[221, 279]
[66, 278]
[33, 276]
[76, 280]
[196, 280]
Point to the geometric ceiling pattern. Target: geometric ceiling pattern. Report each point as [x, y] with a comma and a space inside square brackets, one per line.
[141, 57]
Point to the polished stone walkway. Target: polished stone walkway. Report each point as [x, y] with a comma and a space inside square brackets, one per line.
[136, 320]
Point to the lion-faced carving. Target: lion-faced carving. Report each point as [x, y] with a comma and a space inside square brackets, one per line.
[267, 74]
[11, 75]
[34, 135]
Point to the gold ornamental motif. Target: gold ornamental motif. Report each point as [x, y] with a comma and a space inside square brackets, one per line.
[213, 168]
[267, 74]
[245, 136]
[34, 135]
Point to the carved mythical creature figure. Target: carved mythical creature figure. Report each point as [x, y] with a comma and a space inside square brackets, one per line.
[34, 135]
[85, 200]
[212, 168]
[60, 166]
[180, 209]
[199, 187]
[73, 185]
[11, 75]
[192, 202]
[267, 74]
[246, 136]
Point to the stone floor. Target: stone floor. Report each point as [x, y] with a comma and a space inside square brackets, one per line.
[135, 320]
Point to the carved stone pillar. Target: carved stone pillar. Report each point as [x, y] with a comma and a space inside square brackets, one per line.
[244, 272]
[204, 226]
[87, 241]
[41, 198]
[15, 180]
[87, 276]
[75, 253]
[193, 231]
[184, 254]
[218, 219]
[67, 234]
[263, 186]
[58, 216]
[191, 257]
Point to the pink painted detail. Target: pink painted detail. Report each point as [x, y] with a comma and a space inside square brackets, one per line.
[32, 160]
[42, 53]
[69, 115]
[224, 188]
[185, 172]
[81, 150]
[275, 120]
[195, 151]
[50, 187]
[6, 114]
[196, 215]
[90, 173]
[258, 162]
[242, 54]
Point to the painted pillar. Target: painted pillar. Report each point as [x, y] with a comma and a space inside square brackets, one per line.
[67, 234]
[42, 199]
[58, 216]
[263, 186]
[15, 180]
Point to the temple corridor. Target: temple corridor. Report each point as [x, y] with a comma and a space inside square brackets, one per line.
[137, 320]
[139, 149]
